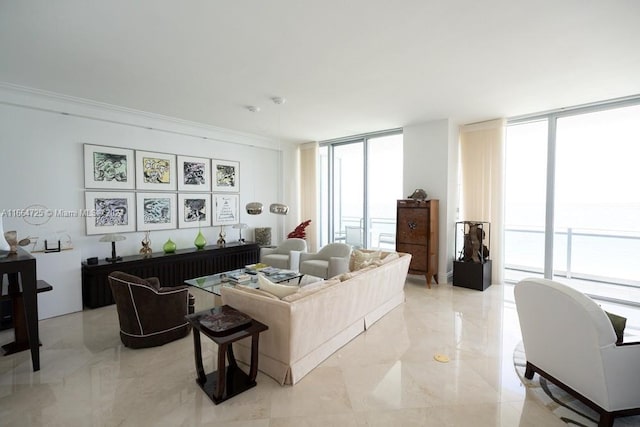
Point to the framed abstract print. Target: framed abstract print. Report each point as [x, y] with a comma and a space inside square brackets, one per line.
[226, 176]
[110, 212]
[156, 211]
[194, 174]
[155, 171]
[108, 167]
[194, 210]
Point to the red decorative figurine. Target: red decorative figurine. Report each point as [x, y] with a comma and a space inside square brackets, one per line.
[299, 232]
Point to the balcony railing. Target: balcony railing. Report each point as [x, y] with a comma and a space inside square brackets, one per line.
[382, 233]
[594, 255]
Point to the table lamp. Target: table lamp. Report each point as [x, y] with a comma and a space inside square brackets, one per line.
[113, 238]
[240, 226]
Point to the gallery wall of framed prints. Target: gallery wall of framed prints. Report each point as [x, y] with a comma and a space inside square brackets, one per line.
[133, 190]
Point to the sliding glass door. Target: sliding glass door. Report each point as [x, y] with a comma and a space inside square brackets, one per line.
[572, 206]
[525, 195]
[597, 200]
[362, 179]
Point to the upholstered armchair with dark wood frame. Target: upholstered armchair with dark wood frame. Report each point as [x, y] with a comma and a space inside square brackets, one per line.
[569, 340]
[150, 315]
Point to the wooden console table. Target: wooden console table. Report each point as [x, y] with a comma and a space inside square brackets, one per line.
[170, 269]
[21, 271]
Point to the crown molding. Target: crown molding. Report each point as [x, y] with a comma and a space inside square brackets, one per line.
[57, 103]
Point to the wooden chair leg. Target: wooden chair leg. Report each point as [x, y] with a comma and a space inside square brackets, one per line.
[528, 372]
[606, 420]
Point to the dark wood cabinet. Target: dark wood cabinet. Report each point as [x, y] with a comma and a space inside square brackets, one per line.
[417, 234]
[171, 269]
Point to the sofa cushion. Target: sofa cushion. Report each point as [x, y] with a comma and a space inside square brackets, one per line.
[316, 267]
[255, 291]
[362, 258]
[276, 289]
[310, 289]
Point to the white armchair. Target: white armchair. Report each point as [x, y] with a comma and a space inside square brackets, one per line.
[331, 260]
[286, 255]
[569, 340]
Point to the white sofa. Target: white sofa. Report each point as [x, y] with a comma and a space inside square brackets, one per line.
[307, 327]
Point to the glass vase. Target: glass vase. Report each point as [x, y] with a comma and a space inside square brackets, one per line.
[169, 247]
[200, 241]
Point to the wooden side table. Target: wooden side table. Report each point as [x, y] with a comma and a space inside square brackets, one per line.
[226, 381]
[21, 335]
[21, 271]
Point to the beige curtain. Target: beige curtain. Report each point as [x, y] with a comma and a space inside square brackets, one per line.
[482, 178]
[309, 191]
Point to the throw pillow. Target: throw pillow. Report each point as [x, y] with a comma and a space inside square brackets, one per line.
[618, 323]
[254, 291]
[280, 291]
[360, 259]
[387, 258]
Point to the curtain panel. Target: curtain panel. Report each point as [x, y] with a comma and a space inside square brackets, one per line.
[482, 165]
[309, 191]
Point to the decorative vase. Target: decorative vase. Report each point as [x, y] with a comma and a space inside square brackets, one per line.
[4, 245]
[169, 247]
[200, 241]
[263, 236]
[146, 244]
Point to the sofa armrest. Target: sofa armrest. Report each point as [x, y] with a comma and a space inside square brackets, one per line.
[294, 260]
[267, 251]
[305, 256]
[338, 265]
[169, 289]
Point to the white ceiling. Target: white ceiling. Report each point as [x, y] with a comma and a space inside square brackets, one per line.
[344, 66]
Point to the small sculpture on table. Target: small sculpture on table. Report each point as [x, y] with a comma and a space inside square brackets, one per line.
[221, 241]
[12, 239]
[146, 244]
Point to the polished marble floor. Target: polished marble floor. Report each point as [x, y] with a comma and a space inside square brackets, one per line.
[386, 376]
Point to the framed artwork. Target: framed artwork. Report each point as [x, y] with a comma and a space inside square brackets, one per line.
[226, 176]
[108, 167]
[155, 171]
[156, 211]
[194, 174]
[110, 212]
[225, 209]
[194, 210]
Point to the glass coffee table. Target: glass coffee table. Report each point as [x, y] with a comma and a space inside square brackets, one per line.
[214, 282]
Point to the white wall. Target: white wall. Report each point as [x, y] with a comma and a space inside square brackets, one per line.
[429, 163]
[41, 162]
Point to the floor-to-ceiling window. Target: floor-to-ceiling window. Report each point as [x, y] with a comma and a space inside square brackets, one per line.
[361, 179]
[572, 202]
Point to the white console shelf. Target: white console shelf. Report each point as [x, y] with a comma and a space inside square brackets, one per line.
[62, 271]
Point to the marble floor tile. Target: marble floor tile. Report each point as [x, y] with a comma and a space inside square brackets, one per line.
[387, 376]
